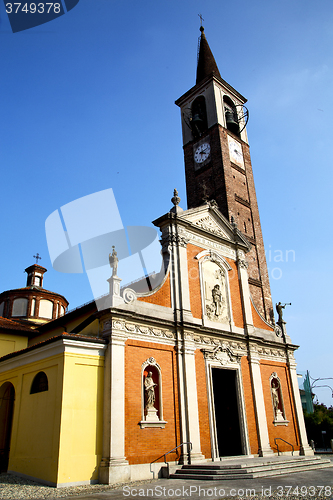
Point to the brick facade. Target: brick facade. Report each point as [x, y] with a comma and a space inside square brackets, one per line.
[145, 445]
[288, 433]
[161, 297]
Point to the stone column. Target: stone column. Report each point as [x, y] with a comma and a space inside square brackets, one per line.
[245, 291]
[114, 466]
[259, 406]
[190, 413]
[304, 449]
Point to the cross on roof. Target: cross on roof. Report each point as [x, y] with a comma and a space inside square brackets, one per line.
[37, 257]
[201, 18]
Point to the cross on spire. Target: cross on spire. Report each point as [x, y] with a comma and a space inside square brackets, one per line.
[201, 19]
[37, 257]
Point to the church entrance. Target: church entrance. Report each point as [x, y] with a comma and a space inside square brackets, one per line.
[7, 398]
[228, 432]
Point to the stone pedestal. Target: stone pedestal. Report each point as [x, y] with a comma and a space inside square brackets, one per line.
[114, 290]
[152, 415]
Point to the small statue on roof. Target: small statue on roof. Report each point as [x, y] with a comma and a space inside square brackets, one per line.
[113, 259]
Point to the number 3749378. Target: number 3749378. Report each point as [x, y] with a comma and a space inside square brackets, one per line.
[33, 8]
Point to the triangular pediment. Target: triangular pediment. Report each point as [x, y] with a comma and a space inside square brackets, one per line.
[209, 219]
[205, 221]
[208, 222]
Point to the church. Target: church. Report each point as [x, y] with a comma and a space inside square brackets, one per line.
[195, 367]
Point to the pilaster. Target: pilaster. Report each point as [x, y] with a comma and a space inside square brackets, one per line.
[305, 449]
[259, 406]
[114, 466]
[190, 412]
[176, 244]
[245, 291]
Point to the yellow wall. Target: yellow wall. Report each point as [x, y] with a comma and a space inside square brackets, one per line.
[36, 422]
[82, 419]
[11, 343]
[57, 434]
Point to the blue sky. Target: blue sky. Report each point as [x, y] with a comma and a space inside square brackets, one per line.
[87, 103]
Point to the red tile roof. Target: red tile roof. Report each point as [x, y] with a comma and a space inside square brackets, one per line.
[13, 325]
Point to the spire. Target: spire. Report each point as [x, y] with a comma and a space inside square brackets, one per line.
[206, 62]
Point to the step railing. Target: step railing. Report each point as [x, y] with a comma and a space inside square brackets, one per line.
[188, 453]
[277, 446]
[167, 453]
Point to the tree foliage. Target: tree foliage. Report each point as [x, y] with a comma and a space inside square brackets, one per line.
[320, 420]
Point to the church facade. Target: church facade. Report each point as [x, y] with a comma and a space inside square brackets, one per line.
[196, 367]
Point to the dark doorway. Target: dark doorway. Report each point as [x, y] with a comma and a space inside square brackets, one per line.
[226, 412]
[7, 398]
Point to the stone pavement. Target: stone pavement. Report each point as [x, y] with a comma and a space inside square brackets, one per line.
[301, 485]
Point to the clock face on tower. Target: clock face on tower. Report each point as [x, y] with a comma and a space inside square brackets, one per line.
[235, 152]
[201, 152]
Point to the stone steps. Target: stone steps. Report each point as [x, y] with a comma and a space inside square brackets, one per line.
[215, 471]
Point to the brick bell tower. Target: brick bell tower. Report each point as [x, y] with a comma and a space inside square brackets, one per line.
[218, 164]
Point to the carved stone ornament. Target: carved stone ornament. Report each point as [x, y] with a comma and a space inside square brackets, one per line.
[215, 290]
[243, 264]
[222, 354]
[129, 295]
[173, 239]
[208, 224]
[141, 329]
[278, 331]
[240, 255]
[213, 204]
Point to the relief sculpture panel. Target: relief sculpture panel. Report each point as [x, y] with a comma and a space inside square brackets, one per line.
[215, 292]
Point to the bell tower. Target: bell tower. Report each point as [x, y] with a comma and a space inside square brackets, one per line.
[218, 164]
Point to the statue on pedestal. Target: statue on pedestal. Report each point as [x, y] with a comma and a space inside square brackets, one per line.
[113, 259]
[150, 391]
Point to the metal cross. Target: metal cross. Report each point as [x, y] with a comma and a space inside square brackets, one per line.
[201, 18]
[37, 257]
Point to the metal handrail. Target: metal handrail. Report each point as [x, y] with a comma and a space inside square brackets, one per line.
[189, 453]
[167, 453]
[277, 446]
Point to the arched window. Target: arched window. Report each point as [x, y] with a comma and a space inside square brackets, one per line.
[40, 383]
[45, 309]
[231, 117]
[199, 116]
[20, 307]
[2, 307]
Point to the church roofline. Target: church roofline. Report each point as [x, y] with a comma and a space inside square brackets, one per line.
[10, 324]
[63, 336]
[32, 288]
[239, 239]
[201, 85]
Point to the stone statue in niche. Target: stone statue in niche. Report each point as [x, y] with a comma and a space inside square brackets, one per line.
[150, 391]
[275, 397]
[276, 400]
[216, 303]
[217, 299]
